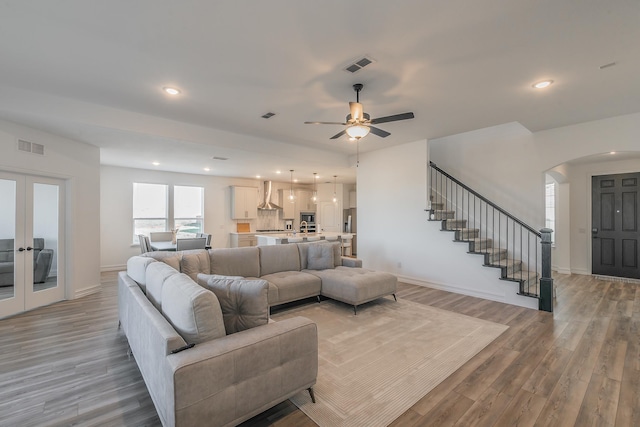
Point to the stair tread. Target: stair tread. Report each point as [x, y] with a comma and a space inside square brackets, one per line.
[491, 251]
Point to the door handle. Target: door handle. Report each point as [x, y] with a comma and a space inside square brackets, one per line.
[29, 248]
[20, 249]
[594, 230]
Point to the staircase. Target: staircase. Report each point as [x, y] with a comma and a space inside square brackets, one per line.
[495, 256]
[503, 241]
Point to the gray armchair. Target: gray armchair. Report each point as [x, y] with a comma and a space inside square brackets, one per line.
[42, 259]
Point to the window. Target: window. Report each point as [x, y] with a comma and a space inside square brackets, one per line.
[187, 210]
[150, 211]
[160, 207]
[550, 206]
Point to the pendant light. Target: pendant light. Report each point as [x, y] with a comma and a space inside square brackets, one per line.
[335, 198]
[314, 197]
[292, 197]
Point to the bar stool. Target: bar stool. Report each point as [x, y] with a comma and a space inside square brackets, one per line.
[294, 239]
[331, 238]
[346, 244]
[313, 238]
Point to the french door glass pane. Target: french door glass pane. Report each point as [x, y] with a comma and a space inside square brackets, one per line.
[7, 237]
[45, 236]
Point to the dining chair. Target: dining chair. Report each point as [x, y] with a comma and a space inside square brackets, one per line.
[346, 244]
[206, 236]
[161, 236]
[193, 243]
[145, 245]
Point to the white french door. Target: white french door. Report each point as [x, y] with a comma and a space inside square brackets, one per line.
[31, 242]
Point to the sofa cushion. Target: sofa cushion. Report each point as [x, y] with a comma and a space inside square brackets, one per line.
[243, 262]
[157, 274]
[292, 286]
[137, 269]
[243, 302]
[355, 285]
[195, 261]
[6, 267]
[303, 249]
[171, 258]
[193, 311]
[320, 257]
[277, 258]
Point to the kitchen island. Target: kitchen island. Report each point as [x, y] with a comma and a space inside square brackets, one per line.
[283, 238]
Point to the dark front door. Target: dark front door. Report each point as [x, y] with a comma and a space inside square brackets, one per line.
[615, 225]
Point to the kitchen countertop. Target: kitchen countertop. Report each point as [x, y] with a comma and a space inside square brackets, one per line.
[256, 232]
[274, 238]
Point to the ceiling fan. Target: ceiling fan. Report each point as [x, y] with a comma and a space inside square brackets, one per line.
[359, 123]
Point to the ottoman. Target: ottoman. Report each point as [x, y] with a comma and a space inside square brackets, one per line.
[355, 286]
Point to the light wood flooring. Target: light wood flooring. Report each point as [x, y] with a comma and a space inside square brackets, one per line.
[66, 364]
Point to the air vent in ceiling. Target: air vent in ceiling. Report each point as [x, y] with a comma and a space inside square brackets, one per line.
[359, 64]
[220, 158]
[268, 115]
[30, 147]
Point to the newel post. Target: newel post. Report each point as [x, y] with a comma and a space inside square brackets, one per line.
[546, 282]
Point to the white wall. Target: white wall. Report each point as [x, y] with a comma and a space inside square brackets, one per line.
[395, 236]
[116, 195]
[78, 164]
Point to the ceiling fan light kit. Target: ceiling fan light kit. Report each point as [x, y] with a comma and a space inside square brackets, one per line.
[358, 131]
[359, 123]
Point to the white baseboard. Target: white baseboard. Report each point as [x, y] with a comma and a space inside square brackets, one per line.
[581, 271]
[117, 267]
[86, 291]
[515, 299]
[563, 271]
[449, 288]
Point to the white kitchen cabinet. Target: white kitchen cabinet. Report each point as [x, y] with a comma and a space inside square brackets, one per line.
[304, 202]
[244, 202]
[328, 216]
[288, 208]
[353, 199]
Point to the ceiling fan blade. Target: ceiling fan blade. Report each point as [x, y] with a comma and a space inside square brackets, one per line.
[394, 118]
[324, 123]
[356, 111]
[377, 131]
[338, 135]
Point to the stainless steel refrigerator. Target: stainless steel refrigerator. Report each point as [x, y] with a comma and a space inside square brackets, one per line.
[351, 226]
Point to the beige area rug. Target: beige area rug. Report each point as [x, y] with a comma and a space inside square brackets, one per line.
[376, 365]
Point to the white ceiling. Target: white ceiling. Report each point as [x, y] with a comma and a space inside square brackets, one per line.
[93, 70]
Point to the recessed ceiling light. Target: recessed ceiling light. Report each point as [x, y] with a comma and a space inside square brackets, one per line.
[295, 180]
[171, 90]
[258, 176]
[207, 169]
[612, 152]
[155, 164]
[278, 172]
[543, 84]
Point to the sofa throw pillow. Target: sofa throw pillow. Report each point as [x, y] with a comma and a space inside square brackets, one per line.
[170, 258]
[194, 312]
[243, 302]
[320, 257]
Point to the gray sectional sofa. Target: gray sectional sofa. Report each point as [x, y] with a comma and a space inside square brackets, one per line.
[294, 271]
[198, 325]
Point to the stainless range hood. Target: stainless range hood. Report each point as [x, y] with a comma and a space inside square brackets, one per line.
[267, 205]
